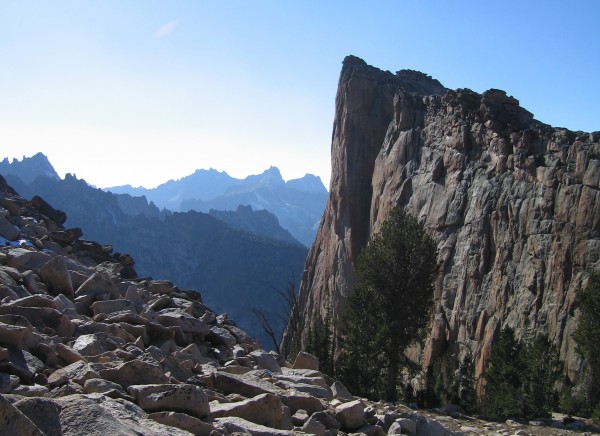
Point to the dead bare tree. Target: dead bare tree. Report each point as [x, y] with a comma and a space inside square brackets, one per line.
[291, 320]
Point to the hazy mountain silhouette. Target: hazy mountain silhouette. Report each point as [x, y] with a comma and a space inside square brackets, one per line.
[29, 169]
[259, 222]
[298, 203]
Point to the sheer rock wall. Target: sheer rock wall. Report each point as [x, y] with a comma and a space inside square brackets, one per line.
[513, 203]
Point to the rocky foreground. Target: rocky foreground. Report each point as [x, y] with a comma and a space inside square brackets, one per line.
[88, 348]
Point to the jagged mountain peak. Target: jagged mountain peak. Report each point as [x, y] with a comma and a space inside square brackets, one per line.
[308, 183]
[270, 178]
[29, 168]
[298, 204]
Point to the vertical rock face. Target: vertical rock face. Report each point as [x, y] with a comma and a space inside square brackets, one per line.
[514, 205]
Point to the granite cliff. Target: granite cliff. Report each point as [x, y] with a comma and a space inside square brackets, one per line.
[513, 203]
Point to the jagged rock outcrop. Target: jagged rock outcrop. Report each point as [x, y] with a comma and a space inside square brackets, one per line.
[513, 204]
[29, 168]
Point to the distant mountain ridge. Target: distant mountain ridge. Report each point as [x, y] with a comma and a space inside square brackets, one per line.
[238, 259]
[259, 222]
[297, 203]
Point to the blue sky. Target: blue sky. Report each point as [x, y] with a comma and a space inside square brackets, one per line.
[140, 92]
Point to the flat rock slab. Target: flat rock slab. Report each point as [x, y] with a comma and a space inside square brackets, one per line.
[312, 426]
[135, 372]
[42, 318]
[306, 360]
[220, 336]
[235, 425]
[187, 324]
[185, 422]
[264, 409]
[97, 415]
[14, 422]
[44, 413]
[57, 277]
[403, 425]
[244, 385]
[340, 392]
[108, 388]
[30, 391]
[79, 372]
[110, 306]
[8, 230]
[23, 259]
[12, 334]
[327, 419]
[183, 398]
[21, 363]
[265, 360]
[310, 389]
[301, 401]
[88, 345]
[317, 381]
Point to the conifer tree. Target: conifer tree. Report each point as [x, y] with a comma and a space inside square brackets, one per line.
[543, 370]
[520, 377]
[467, 395]
[390, 307]
[503, 392]
[587, 337]
[360, 366]
[320, 341]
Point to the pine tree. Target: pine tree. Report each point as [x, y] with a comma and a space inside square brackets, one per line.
[467, 394]
[521, 377]
[587, 337]
[543, 371]
[503, 392]
[444, 386]
[320, 341]
[360, 366]
[326, 360]
[390, 307]
[454, 382]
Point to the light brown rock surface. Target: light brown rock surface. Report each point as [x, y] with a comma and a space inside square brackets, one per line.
[513, 204]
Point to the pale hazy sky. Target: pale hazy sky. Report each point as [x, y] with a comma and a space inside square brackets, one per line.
[140, 92]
